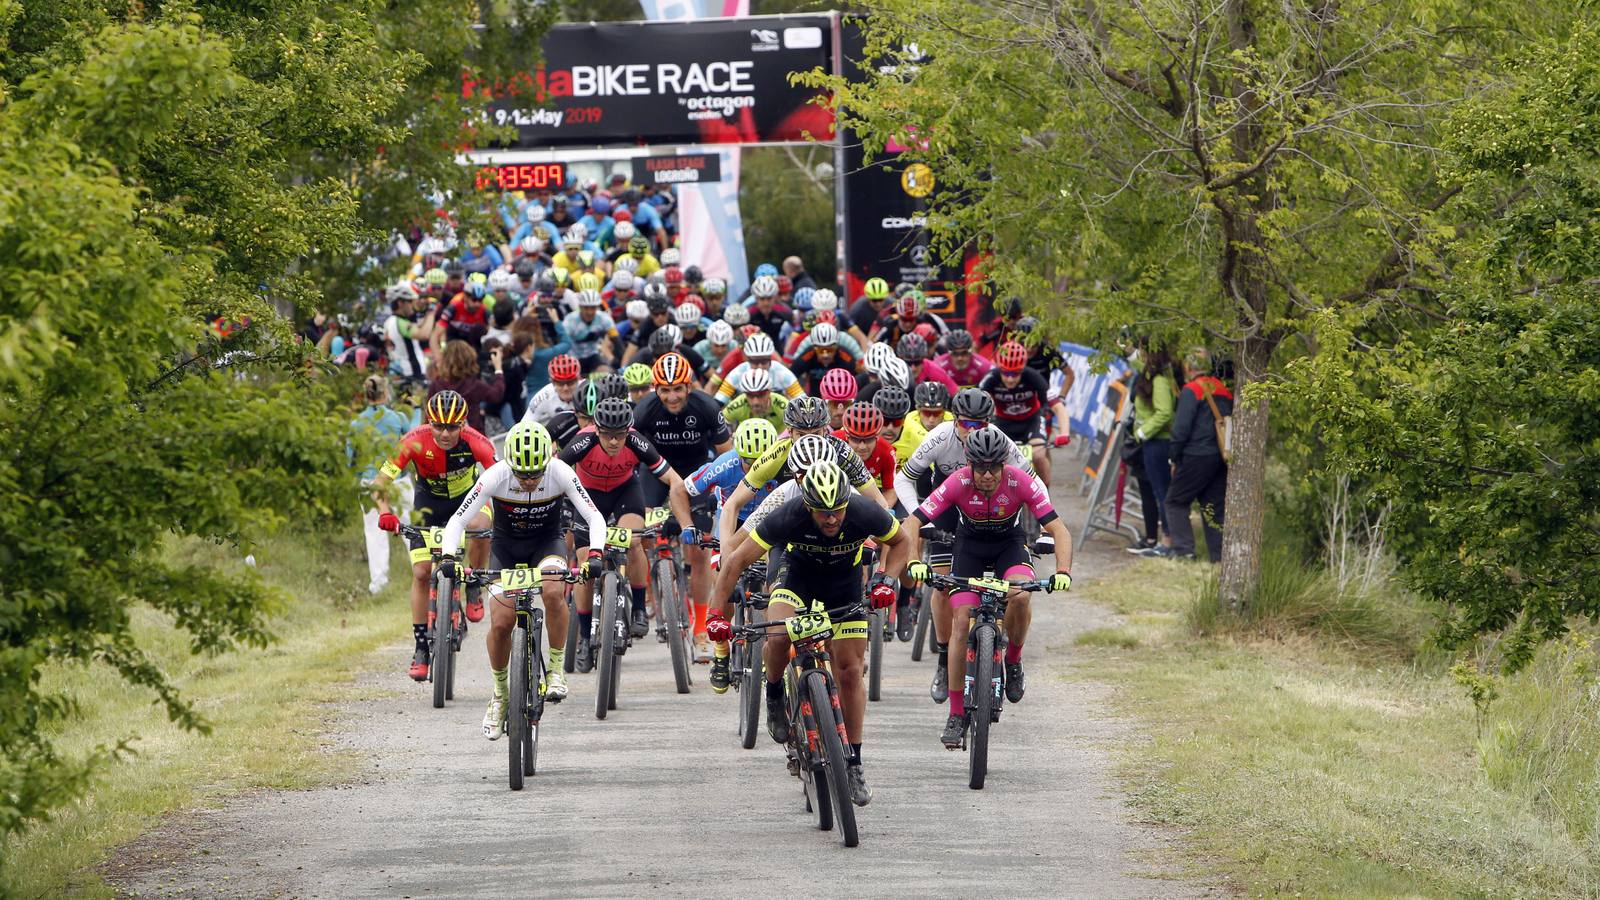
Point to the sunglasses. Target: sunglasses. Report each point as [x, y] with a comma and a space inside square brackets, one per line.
[613, 435]
[987, 468]
[825, 509]
[442, 427]
[972, 424]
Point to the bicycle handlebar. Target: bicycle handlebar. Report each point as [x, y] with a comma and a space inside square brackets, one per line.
[488, 576]
[950, 582]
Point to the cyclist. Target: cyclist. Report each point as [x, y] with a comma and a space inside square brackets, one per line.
[717, 343]
[766, 312]
[895, 404]
[564, 426]
[909, 311]
[590, 332]
[862, 429]
[988, 496]
[758, 352]
[1021, 400]
[941, 453]
[822, 532]
[655, 299]
[839, 390]
[868, 308]
[687, 428]
[640, 382]
[555, 397]
[607, 460]
[465, 317]
[821, 352]
[965, 367]
[446, 454]
[913, 351]
[933, 408]
[526, 489]
[756, 400]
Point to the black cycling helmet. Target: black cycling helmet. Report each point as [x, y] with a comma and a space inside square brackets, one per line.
[612, 385]
[912, 348]
[527, 268]
[693, 275]
[971, 403]
[959, 339]
[614, 414]
[545, 283]
[932, 394]
[664, 339]
[452, 267]
[659, 303]
[587, 399]
[806, 413]
[892, 401]
[987, 446]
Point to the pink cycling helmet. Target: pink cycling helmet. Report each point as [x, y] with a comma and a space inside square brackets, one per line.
[838, 385]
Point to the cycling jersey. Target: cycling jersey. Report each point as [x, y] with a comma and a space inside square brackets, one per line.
[545, 404]
[600, 471]
[586, 336]
[719, 478]
[783, 381]
[941, 453]
[463, 324]
[912, 434]
[775, 462]
[406, 359]
[932, 371]
[443, 474]
[968, 375]
[563, 427]
[523, 515]
[880, 463]
[847, 344]
[738, 409]
[989, 516]
[835, 559]
[688, 438]
[1016, 403]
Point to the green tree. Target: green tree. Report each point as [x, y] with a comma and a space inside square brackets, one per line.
[1204, 172]
[788, 210]
[160, 169]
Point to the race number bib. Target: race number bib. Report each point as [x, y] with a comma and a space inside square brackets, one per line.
[619, 538]
[519, 579]
[808, 625]
[655, 516]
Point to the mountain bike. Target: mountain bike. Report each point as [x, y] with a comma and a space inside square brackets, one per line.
[985, 690]
[525, 698]
[675, 618]
[745, 670]
[612, 634]
[817, 739]
[926, 636]
[443, 606]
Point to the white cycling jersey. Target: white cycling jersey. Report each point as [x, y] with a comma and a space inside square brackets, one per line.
[520, 514]
[545, 405]
[943, 452]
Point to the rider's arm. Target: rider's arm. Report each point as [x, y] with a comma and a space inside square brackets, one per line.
[728, 522]
[593, 521]
[734, 563]
[911, 527]
[1038, 502]
[905, 487]
[899, 544]
[1058, 531]
[677, 498]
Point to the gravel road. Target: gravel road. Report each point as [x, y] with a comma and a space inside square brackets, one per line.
[660, 797]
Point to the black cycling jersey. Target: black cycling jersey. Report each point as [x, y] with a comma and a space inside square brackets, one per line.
[687, 439]
[1018, 403]
[563, 427]
[1046, 358]
[820, 557]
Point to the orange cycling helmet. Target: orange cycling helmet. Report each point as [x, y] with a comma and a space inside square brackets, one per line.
[447, 408]
[1012, 357]
[670, 369]
[863, 420]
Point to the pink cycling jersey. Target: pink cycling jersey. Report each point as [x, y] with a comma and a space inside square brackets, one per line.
[989, 515]
[977, 366]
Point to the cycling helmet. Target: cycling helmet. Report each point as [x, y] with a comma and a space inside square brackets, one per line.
[589, 298]
[476, 289]
[766, 269]
[687, 316]
[1026, 324]
[958, 340]
[824, 300]
[877, 355]
[656, 304]
[932, 395]
[896, 373]
[665, 339]
[532, 245]
[838, 385]
[863, 420]
[875, 289]
[587, 399]
[622, 281]
[402, 291]
[695, 301]
[573, 240]
[535, 212]
[452, 267]
[613, 414]
[893, 402]
[971, 403]
[637, 310]
[825, 487]
[637, 375]
[764, 287]
[785, 286]
[546, 282]
[564, 368]
[560, 275]
[501, 280]
[754, 381]
[1012, 357]
[810, 449]
[693, 275]
[910, 305]
[447, 408]
[670, 257]
[586, 281]
[528, 448]
[824, 335]
[526, 268]
[623, 232]
[639, 245]
[806, 414]
[672, 275]
[753, 438]
[720, 334]
[714, 287]
[672, 369]
[746, 330]
[736, 315]
[988, 445]
[758, 346]
[626, 263]
[612, 385]
[912, 348]
[802, 297]
[435, 277]
[826, 315]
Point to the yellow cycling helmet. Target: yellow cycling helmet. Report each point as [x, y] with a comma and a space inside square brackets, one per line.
[586, 281]
[754, 437]
[528, 448]
[876, 289]
[824, 487]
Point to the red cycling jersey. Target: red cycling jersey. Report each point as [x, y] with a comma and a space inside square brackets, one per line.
[880, 464]
[599, 471]
[442, 473]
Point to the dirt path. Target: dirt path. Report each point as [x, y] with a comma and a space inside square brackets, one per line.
[660, 797]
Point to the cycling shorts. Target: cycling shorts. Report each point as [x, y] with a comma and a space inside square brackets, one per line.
[791, 587]
[1007, 558]
[509, 552]
[436, 512]
[1023, 431]
[613, 505]
[702, 509]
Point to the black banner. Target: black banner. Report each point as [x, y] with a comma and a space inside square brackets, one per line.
[695, 168]
[639, 83]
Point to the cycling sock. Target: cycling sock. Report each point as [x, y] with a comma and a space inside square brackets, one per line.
[586, 624]
[958, 704]
[775, 690]
[638, 596]
[1013, 653]
[558, 658]
[419, 633]
[855, 754]
[500, 681]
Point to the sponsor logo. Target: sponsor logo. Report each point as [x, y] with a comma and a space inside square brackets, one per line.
[898, 223]
[917, 180]
[763, 39]
[919, 255]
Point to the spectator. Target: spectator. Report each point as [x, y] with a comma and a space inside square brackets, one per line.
[796, 270]
[536, 343]
[1198, 470]
[456, 369]
[374, 430]
[1154, 396]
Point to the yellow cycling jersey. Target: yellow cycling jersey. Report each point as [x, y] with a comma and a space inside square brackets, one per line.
[912, 434]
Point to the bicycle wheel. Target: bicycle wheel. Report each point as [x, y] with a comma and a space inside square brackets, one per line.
[667, 595]
[802, 725]
[875, 654]
[569, 665]
[752, 685]
[619, 638]
[606, 650]
[443, 642]
[517, 699]
[924, 620]
[456, 614]
[536, 679]
[980, 705]
[830, 733]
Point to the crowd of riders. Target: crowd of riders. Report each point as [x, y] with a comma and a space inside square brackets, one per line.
[576, 372]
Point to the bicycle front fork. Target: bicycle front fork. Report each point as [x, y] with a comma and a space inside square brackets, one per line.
[997, 681]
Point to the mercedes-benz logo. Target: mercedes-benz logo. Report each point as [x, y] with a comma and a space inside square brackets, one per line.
[690, 421]
[919, 255]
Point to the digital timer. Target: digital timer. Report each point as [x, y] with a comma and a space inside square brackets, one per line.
[522, 177]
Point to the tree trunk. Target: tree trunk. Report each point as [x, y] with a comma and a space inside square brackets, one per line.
[1245, 517]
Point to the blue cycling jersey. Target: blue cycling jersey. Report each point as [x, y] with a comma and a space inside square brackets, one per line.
[719, 477]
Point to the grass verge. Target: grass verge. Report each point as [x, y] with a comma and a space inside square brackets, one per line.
[266, 708]
[1310, 753]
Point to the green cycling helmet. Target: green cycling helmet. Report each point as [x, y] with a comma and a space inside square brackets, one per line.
[638, 375]
[754, 437]
[528, 448]
[876, 289]
[589, 397]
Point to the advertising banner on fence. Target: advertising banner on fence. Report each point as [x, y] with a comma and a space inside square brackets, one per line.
[722, 81]
[1090, 407]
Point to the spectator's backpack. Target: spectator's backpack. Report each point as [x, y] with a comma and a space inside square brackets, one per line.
[1224, 426]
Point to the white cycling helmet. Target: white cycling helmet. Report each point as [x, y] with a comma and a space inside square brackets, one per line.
[757, 346]
[579, 229]
[736, 315]
[896, 373]
[532, 245]
[626, 263]
[589, 298]
[670, 257]
[767, 286]
[623, 232]
[687, 315]
[501, 280]
[714, 287]
[405, 291]
[811, 449]
[824, 335]
[755, 380]
[824, 299]
[637, 310]
[623, 280]
[573, 238]
[877, 355]
[720, 333]
[535, 212]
